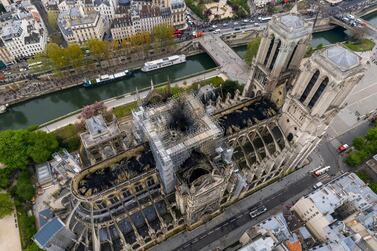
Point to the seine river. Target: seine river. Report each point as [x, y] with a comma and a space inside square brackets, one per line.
[48, 107]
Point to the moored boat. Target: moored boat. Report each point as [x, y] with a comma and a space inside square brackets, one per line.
[163, 62]
[3, 108]
[106, 78]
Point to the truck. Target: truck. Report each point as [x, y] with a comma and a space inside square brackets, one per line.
[321, 170]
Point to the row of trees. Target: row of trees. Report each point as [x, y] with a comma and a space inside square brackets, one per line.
[58, 58]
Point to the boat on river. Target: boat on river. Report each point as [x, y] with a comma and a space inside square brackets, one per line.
[3, 108]
[163, 62]
[106, 78]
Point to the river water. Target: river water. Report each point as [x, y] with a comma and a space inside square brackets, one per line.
[45, 108]
[371, 18]
[48, 107]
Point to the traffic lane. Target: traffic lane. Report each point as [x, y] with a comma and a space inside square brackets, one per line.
[241, 219]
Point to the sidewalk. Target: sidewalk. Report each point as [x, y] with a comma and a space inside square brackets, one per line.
[128, 98]
[238, 207]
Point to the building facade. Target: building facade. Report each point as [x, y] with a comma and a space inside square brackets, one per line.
[23, 33]
[281, 50]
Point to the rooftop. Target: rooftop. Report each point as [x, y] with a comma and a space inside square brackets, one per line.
[292, 21]
[109, 174]
[341, 57]
[245, 115]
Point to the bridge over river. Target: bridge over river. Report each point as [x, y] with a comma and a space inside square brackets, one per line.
[230, 62]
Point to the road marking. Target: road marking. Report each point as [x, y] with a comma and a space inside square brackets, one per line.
[226, 223]
[239, 216]
[210, 232]
[218, 228]
[195, 240]
[234, 219]
[201, 237]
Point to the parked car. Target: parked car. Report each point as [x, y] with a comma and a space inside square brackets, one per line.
[318, 185]
[343, 148]
[258, 211]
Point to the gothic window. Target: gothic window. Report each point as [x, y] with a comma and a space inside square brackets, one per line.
[138, 187]
[275, 55]
[309, 87]
[150, 182]
[269, 51]
[318, 93]
[291, 57]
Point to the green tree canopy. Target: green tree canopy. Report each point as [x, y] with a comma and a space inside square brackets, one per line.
[52, 19]
[163, 32]
[13, 150]
[74, 54]
[252, 49]
[6, 204]
[23, 190]
[18, 148]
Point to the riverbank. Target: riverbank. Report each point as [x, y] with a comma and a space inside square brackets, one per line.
[111, 103]
[45, 108]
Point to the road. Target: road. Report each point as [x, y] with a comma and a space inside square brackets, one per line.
[239, 220]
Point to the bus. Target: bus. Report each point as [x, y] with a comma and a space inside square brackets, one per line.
[35, 64]
[320, 171]
[264, 19]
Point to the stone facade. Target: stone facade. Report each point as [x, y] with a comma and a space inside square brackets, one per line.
[281, 50]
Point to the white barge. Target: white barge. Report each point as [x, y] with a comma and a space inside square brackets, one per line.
[163, 62]
[106, 78]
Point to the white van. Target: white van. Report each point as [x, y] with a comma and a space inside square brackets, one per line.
[318, 185]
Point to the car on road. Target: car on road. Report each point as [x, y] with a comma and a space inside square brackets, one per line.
[235, 23]
[318, 185]
[245, 20]
[237, 28]
[214, 26]
[258, 211]
[343, 148]
[225, 24]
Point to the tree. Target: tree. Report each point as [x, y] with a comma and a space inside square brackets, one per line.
[163, 33]
[52, 19]
[6, 205]
[74, 55]
[98, 48]
[252, 49]
[5, 175]
[56, 55]
[23, 190]
[19, 148]
[41, 145]
[13, 150]
[359, 143]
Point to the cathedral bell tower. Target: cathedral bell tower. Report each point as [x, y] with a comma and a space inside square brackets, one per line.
[319, 92]
[281, 50]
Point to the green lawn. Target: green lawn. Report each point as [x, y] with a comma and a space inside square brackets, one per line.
[361, 45]
[124, 110]
[68, 137]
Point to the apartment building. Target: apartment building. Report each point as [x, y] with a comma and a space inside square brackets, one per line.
[78, 25]
[22, 32]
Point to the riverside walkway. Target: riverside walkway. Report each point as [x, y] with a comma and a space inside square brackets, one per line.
[125, 99]
[229, 61]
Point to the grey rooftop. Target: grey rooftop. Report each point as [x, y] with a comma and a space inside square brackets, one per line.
[342, 57]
